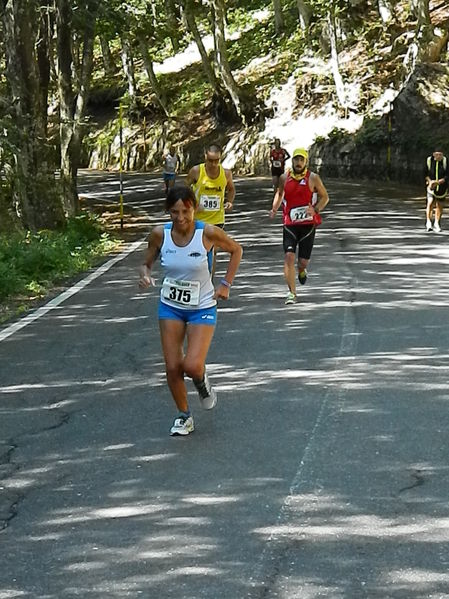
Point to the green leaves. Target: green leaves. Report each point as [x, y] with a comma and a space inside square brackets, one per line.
[31, 262]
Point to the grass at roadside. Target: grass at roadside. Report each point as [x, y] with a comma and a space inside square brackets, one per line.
[32, 264]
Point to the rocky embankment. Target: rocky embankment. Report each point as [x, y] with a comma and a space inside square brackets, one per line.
[396, 144]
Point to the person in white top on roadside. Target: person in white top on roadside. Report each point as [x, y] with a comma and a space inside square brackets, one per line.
[172, 164]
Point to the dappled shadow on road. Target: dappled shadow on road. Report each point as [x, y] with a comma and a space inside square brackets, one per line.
[322, 473]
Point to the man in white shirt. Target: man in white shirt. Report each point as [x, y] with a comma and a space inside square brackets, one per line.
[171, 167]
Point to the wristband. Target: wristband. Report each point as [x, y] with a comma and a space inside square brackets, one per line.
[225, 283]
[317, 220]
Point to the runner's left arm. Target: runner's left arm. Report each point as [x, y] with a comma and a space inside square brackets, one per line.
[218, 238]
[230, 190]
[323, 197]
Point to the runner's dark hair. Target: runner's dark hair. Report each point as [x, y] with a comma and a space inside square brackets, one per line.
[213, 147]
[180, 192]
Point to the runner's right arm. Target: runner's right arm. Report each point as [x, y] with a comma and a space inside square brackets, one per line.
[279, 196]
[151, 253]
[192, 175]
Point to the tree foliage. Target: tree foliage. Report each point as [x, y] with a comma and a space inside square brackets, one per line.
[50, 51]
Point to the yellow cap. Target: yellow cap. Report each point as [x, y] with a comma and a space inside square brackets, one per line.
[301, 152]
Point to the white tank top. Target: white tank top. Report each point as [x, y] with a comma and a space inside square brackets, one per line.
[170, 164]
[187, 283]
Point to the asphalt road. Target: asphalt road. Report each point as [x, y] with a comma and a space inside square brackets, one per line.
[323, 471]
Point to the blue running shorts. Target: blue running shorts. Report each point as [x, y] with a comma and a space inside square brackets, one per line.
[169, 176]
[200, 316]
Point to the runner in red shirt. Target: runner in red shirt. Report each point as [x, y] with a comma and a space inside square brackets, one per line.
[303, 197]
[278, 157]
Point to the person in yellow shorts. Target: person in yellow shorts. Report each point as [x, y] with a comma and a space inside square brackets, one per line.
[213, 187]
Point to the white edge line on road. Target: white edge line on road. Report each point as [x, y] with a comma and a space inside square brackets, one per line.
[26, 320]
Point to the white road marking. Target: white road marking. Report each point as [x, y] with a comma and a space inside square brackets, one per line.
[26, 320]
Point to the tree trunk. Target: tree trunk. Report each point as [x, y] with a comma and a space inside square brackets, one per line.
[66, 102]
[190, 24]
[148, 63]
[305, 14]
[437, 46]
[420, 9]
[109, 65]
[424, 30]
[43, 60]
[339, 84]
[222, 57]
[385, 10]
[430, 43]
[173, 24]
[72, 103]
[421, 47]
[128, 69]
[33, 199]
[278, 18]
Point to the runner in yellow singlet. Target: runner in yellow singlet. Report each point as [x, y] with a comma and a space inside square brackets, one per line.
[213, 187]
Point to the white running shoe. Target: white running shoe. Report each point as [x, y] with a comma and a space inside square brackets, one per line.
[183, 425]
[290, 299]
[428, 225]
[206, 393]
[436, 227]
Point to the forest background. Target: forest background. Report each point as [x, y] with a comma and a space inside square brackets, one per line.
[363, 83]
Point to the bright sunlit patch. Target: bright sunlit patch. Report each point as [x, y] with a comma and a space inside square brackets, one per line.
[182, 520]
[211, 500]
[116, 320]
[129, 511]
[85, 566]
[197, 570]
[61, 384]
[179, 551]
[425, 529]
[44, 538]
[126, 511]
[416, 577]
[154, 458]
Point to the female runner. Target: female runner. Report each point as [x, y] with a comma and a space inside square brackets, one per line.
[188, 301]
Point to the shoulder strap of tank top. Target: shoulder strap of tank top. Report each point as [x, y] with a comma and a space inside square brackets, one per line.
[199, 225]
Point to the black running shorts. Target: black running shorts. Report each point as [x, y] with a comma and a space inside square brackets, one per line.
[276, 171]
[301, 236]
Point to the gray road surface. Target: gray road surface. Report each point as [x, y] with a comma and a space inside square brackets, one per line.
[324, 470]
